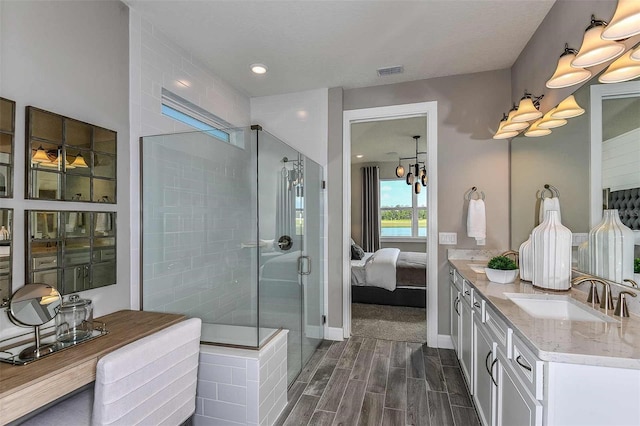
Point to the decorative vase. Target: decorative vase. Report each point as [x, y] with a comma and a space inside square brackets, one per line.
[611, 248]
[584, 259]
[501, 276]
[526, 260]
[551, 244]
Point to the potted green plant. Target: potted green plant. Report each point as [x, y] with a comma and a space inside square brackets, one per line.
[501, 269]
[636, 269]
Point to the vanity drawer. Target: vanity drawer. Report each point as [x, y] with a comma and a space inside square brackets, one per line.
[45, 262]
[498, 329]
[528, 368]
[456, 279]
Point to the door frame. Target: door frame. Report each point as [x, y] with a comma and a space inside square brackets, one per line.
[394, 112]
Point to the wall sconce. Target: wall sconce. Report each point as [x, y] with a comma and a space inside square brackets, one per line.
[622, 69]
[79, 162]
[566, 75]
[527, 110]
[568, 108]
[625, 22]
[536, 131]
[549, 122]
[595, 50]
[504, 134]
[511, 125]
[635, 55]
[40, 156]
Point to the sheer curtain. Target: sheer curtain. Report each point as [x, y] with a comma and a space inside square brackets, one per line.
[370, 208]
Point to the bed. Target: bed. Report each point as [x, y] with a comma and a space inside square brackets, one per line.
[390, 277]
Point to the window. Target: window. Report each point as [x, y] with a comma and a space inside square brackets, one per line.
[402, 212]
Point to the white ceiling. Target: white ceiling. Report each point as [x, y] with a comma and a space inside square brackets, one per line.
[315, 44]
[380, 141]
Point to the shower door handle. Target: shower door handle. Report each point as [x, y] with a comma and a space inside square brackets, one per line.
[301, 270]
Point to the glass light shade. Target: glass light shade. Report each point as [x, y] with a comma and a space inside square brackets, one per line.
[568, 108]
[526, 111]
[548, 122]
[399, 170]
[566, 75]
[79, 162]
[536, 131]
[40, 156]
[505, 134]
[511, 125]
[409, 178]
[625, 22]
[417, 187]
[635, 55]
[622, 69]
[595, 50]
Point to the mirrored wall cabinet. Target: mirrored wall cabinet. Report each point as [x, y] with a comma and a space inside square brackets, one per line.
[6, 245]
[7, 133]
[71, 250]
[68, 159]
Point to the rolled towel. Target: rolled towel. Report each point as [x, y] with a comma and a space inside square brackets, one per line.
[477, 221]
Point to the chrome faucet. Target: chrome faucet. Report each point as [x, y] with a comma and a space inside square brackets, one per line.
[593, 297]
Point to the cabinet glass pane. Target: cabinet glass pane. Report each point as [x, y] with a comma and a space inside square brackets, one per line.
[5, 288]
[44, 155]
[78, 162]
[104, 140]
[77, 251]
[104, 255]
[104, 274]
[76, 224]
[51, 277]
[45, 125]
[77, 188]
[44, 225]
[6, 115]
[46, 185]
[76, 279]
[6, 142]
[104, 226]
[104, 191]
[78, 134]
[104, 165]
[104, 242]
[5, 181]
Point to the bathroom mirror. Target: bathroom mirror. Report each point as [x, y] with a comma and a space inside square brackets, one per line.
[6, 245]
[69, 160]
[7, 135]
[571, 160]
[70, 250]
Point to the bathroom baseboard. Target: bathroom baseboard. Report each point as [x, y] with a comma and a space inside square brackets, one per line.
[444, 341]
[333, 333]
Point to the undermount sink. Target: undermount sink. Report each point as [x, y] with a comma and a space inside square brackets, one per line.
[557, 307]
[477, 268]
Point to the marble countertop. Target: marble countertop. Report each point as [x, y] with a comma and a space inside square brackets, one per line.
[609, 344]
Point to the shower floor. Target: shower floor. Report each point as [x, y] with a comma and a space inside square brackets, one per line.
[239, 335]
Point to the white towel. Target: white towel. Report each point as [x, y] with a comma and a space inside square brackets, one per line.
[477, 221]
[549, 204]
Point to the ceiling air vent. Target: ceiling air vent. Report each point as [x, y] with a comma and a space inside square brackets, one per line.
[383, 72]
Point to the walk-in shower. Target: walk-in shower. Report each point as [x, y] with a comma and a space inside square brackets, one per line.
[232, 234]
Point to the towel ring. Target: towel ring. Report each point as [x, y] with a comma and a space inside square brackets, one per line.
[474, 190]
[553, 191]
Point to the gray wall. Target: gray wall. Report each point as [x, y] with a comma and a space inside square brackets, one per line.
[71, 58]
[468, 106]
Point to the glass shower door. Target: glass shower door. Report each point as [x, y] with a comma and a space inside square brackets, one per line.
[311, 264]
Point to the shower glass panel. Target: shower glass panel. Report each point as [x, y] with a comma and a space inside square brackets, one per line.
[232, 234]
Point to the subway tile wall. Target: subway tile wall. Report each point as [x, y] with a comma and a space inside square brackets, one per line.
[237, 387]
[157, 62]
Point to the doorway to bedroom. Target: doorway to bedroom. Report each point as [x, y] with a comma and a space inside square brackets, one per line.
[390, 218]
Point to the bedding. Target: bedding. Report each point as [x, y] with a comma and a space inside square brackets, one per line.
[380, 270]
[410, 270]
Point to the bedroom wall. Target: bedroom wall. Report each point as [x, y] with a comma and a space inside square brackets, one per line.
[467, 156]
[387, 171]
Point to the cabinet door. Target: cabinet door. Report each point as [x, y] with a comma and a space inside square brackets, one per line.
[515, 406]
[466, 340]
[484, 388]
[455, 318]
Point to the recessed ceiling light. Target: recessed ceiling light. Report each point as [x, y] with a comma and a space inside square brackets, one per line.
[259, 68]
[359, 156]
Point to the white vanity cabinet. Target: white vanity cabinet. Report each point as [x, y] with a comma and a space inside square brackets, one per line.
[466, 334]
[483, 373]
[454, 298]
[514, 405]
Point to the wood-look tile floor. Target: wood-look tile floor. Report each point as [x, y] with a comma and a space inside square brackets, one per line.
[369, 382]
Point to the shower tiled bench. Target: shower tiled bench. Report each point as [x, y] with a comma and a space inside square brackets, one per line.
[242, 386]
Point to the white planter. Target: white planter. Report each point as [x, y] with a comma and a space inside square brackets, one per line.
[611, 248]
[551, 243]
[501, 276]
[526, 260]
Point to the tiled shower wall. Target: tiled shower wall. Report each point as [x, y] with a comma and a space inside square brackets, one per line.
[199, 220]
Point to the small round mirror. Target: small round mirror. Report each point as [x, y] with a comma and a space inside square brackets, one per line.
[34, 304]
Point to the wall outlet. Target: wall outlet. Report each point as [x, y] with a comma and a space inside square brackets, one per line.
[448, 238]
